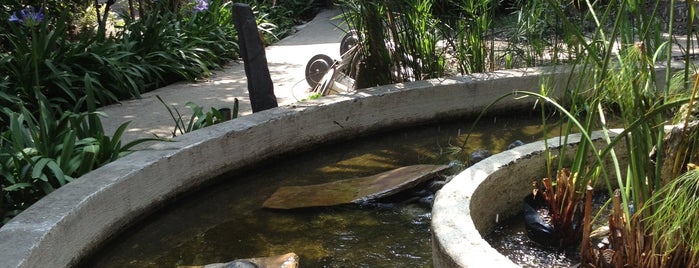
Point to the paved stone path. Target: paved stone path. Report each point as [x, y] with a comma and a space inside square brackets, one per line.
[287, 62]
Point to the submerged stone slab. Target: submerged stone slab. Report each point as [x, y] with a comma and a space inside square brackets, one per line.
[289, 260]
[352, 190]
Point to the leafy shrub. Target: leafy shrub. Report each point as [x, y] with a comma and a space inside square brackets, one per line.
[37, 51]
[276, 19]
[53, 77]
[157, 49]
[198, 119]
[40, 153]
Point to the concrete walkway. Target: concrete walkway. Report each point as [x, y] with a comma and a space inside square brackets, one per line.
[287, 62]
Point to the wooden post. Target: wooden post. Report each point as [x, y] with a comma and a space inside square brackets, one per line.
[260, 86]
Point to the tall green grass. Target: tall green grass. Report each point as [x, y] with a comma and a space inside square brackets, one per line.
[613, 78]
[467, 30]
[411, 40]
[617, 78]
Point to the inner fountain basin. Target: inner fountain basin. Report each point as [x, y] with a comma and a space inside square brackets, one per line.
[468, 207]
[225, 221]
[75, 220]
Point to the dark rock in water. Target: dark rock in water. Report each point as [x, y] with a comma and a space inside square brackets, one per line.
[420, 192]
[380, 205]
[456, 164]
[436, 185]
[241, 264]
[514, 144]
[427, 200]
[478, 155]
[539, 227]
[422, 195]
[536, 221]
[455, 167]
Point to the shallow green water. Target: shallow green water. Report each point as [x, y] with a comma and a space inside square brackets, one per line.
[224, 222]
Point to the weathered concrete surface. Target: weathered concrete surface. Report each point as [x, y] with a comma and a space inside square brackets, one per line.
[70, 222]
[469, 206]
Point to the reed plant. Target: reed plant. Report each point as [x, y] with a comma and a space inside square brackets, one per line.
[411, 40]
[372, 66]
[467, 30]
[616, 78]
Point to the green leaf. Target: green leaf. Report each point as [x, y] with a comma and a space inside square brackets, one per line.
[46, 187]
[38, 169]
[17, 186]
[57, 172]
[66, 150]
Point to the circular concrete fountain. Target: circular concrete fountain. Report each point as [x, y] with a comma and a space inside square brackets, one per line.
[73, 221]
[472, 203]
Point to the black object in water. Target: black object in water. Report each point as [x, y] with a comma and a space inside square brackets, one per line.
[537, 221]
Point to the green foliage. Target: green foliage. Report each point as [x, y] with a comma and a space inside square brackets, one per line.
[40, 153]
[199, 119]
[616, 78]
[33, 62]
[675, 209]
[156, 49]
[398, 41]
[276, 19]
[450, 36]
[53, 78]
[535, 25]
[315, 96]
[177, 46]
[467, 34]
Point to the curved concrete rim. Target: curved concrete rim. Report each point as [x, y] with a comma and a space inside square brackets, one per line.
[74, 220]
[467, 207]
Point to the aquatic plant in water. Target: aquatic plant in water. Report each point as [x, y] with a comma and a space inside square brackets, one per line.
[619, 80]
[614, 76]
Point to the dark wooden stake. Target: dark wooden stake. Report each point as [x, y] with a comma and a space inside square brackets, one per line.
[252, 51]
